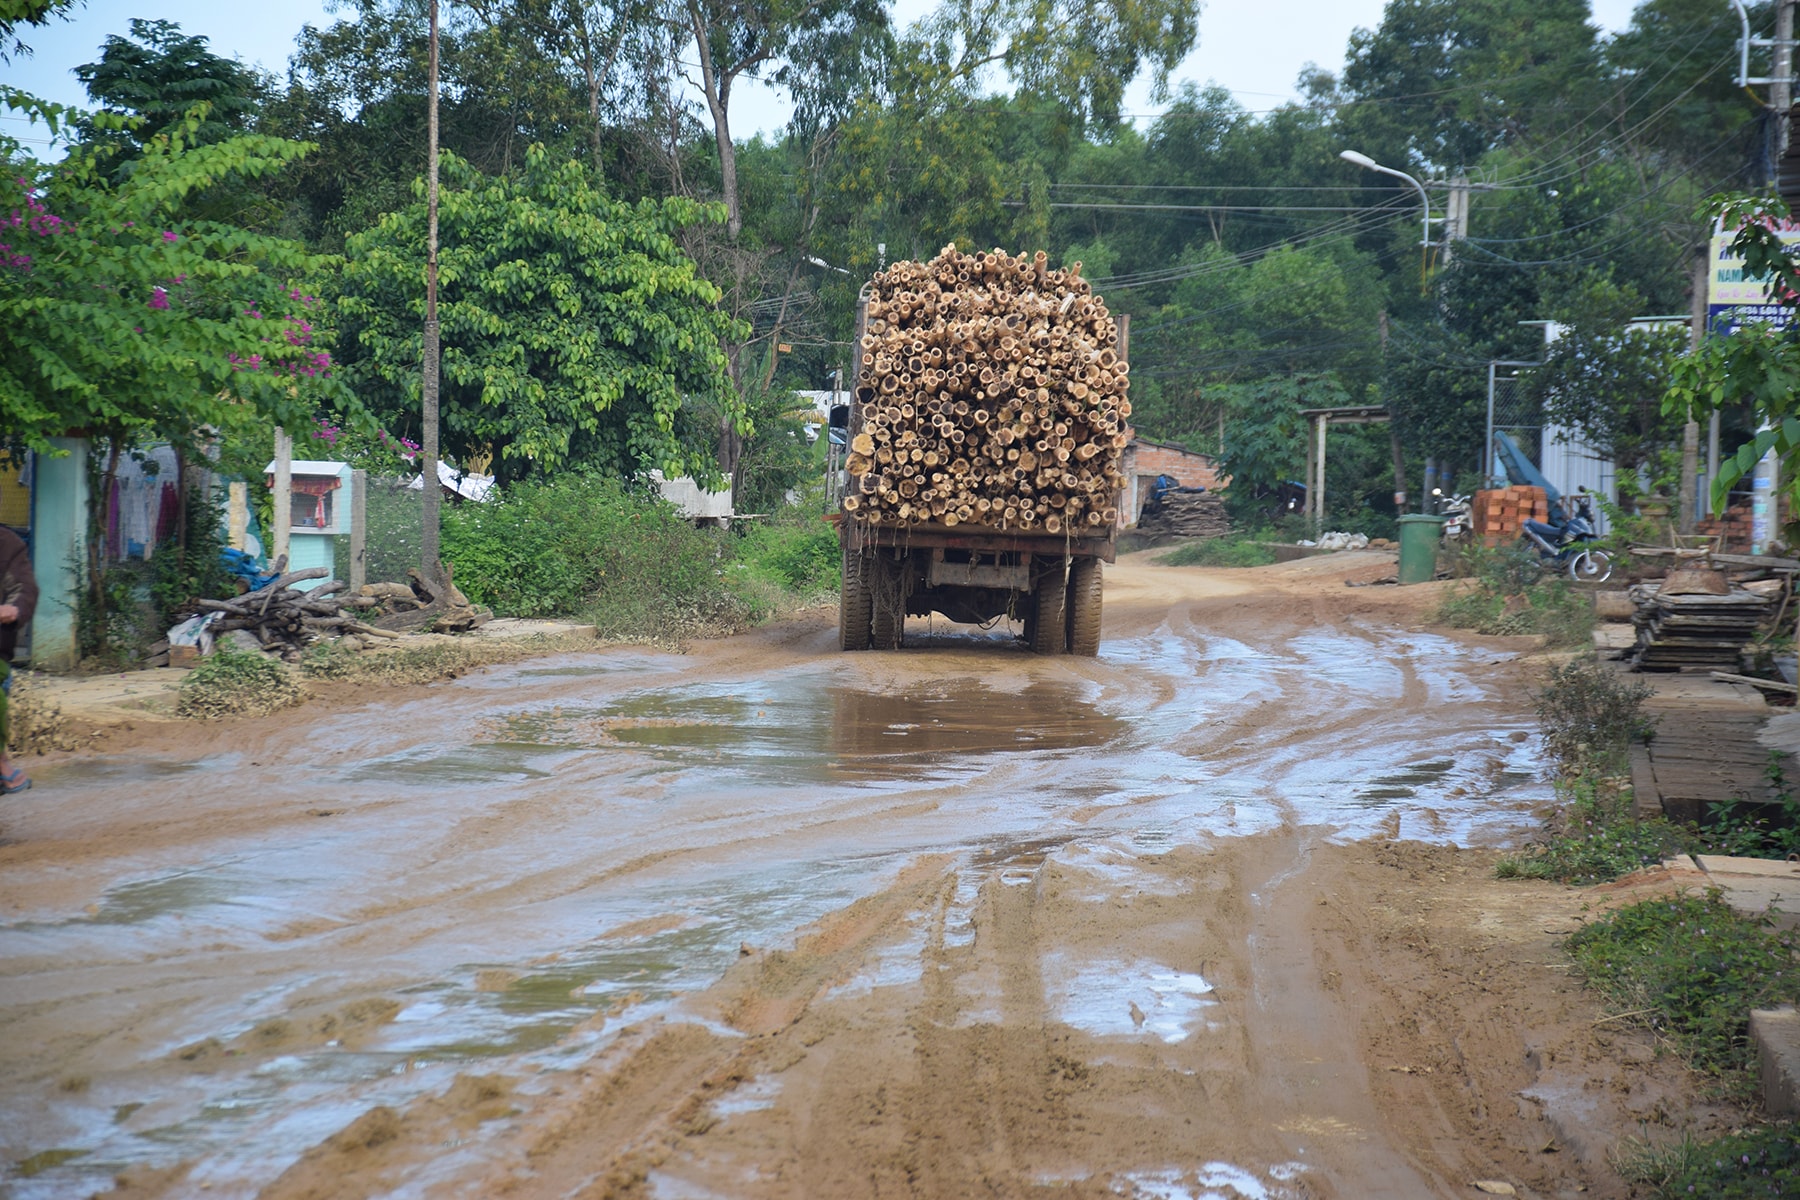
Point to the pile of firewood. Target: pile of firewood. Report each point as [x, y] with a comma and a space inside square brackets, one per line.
[285, 619]
[424, 602]
[991, 392]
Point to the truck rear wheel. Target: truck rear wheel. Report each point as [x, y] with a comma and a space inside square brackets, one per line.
[1050, 631]
[887, 604]
[853, 602]
[1084, 607]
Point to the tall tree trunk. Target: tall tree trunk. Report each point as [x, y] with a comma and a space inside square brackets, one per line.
[716, 86]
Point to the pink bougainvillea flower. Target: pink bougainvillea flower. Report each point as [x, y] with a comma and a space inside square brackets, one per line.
[159, 298]
[169, 235]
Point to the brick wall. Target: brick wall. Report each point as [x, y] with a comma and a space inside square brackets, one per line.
[1145, 460]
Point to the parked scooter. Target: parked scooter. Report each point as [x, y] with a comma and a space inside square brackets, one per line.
[1455, 511]
[1567, 547]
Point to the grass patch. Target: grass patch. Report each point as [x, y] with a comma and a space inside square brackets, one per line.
[1219, 552]
[1595, 839]
[1760, 1162]
[230, 683]
[35, 724]
[431, 661]
[1690, 969]
[1506, 593]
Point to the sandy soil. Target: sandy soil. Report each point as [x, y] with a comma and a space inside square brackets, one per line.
[1212, 915]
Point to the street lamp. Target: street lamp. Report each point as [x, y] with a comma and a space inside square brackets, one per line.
[1363, 160]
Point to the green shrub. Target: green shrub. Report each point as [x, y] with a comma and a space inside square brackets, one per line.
[1596, 838]
[800, 555]
[230, 683]
[1691, 969]
[1591, 715]
[1509, 594]
[558, 548]
[1219, 552]
[1759, 1162]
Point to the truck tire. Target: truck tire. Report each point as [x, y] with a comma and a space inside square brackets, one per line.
[853, 602]
[1050, 631]
[887, 604]
[1084, 607]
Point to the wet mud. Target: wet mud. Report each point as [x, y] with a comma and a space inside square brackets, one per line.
[1198, 918]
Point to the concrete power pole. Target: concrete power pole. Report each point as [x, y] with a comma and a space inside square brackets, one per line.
[1456, 219]
[1690, 433]
[428, 453]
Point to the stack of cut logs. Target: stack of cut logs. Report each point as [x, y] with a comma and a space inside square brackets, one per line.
[1186, 512]
[991, 392]
[284, 619]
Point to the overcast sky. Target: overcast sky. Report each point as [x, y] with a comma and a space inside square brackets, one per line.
[1256, 48]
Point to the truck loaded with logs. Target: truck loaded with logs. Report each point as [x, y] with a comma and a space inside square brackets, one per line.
[986, 430]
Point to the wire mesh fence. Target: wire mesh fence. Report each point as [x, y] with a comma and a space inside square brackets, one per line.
[393, 517]
[1513, 409]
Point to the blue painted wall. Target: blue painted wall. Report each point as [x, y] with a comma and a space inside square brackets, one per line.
[58, 544]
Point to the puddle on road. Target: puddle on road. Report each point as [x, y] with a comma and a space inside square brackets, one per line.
[1404, 784]
[1120, 999]
[113, 771]
[801, 730]
[147, 899]
[1212, 1181]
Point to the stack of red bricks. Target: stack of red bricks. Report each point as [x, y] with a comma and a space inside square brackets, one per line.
[1498, 515]
[1733, 529]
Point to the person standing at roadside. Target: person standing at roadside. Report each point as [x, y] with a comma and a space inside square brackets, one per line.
[18, 600]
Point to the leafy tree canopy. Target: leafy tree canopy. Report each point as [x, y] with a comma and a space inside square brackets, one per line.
[574, 330]
[125, 321]
[161, 76]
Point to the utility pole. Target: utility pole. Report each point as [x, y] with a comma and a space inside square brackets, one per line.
[433, 495]
[1690, 432]
[1393, 433]
[1456, 222]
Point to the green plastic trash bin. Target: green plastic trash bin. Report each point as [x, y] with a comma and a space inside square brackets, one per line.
[1420, 534]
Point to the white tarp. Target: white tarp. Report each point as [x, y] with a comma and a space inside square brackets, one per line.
[464, 483]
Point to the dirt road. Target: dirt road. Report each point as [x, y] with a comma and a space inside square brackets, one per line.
[1211, 915]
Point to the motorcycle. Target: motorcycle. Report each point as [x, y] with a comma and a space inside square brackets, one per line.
[1567, 547]
[1455, 511]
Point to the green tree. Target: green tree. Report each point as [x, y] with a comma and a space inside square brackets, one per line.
[575, 331]
[124, 320]
[1758, 366]
[14, 13]
[162, 76]
[1267, 445]
[1446, 81]
[1605, 380]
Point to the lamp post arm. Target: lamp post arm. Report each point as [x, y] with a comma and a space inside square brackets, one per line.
[1424, 240]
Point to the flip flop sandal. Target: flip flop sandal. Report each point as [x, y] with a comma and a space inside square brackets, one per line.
[16, 782]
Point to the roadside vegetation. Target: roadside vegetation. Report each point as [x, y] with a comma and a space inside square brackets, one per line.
[588, 548]
[1238, 550]
[1505, 592]
[237, 683]
[1686, 968]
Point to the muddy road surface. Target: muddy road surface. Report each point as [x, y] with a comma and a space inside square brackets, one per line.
[1210, 915]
